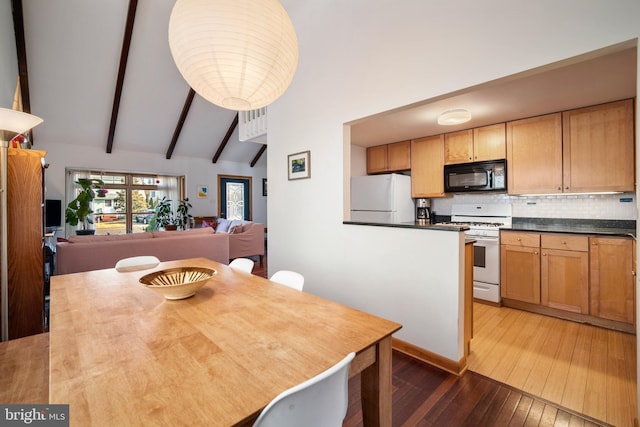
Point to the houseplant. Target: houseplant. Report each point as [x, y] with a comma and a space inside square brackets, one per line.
[79, 210]
[183, 217]
[162, 217]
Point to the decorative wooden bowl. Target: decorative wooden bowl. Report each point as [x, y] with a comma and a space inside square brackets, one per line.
[178, 283]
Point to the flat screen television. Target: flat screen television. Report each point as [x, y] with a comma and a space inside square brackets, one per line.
[52, 213]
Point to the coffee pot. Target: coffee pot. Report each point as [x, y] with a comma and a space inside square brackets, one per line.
[422, 211]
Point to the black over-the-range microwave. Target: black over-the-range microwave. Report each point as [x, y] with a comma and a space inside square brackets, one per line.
[490, 175]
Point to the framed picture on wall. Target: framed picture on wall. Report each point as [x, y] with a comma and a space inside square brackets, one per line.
[202, 191]
[299, 165]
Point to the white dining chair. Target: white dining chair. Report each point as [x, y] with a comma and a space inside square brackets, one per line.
[242, 264]
[289, 278]
[321, 401]
[137, 263]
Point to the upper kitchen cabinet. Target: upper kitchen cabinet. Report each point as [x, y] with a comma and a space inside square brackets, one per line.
[427, 167]
[598, 148]
[389, 157]
[475, 145]
[534, 155]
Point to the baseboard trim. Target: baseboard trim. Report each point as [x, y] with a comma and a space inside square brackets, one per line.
[451, 366]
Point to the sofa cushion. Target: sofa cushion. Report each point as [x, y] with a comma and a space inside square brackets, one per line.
[191, 232]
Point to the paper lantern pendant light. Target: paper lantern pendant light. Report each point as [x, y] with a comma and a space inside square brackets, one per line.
[238, 54]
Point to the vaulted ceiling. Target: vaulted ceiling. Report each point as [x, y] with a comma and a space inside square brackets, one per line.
[101, 74]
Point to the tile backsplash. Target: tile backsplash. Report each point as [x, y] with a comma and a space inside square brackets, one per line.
[590, 206]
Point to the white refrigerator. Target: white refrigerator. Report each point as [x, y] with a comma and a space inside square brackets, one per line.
[382, 199]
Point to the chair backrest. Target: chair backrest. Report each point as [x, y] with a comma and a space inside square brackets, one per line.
[289, 278]
[318, 402]
[242, 264]
[137, 263]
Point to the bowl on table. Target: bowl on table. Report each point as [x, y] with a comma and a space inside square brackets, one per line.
[178, 283]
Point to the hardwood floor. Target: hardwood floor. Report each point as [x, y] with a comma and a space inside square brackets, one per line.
[584, 368]
[427, 396]
[524, 369]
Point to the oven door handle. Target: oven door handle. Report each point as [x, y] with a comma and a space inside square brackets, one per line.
[490, 241]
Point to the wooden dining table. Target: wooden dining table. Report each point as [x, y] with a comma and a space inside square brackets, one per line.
[122, 354]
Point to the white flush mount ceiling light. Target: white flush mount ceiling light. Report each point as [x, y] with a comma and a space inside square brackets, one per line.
[238, 54]
[454, 117]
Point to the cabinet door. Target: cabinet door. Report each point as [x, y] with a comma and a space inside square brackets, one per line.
[377, 159]
[520, 273]
[427, 167]
[25, 256]
[599, 148]
[612, 278]
[565, 280]
[458, 147]
[399, 156]
[489, 142]
[534, 155]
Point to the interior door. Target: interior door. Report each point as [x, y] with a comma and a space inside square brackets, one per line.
[234, 197]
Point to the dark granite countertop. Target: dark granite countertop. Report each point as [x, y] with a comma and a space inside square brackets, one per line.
[575, 226]
[415, 225]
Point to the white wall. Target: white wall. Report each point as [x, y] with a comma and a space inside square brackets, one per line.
[9, 62]
[360, 58]
[197, 171]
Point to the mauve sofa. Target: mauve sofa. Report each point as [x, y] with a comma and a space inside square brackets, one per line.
[85, 253]
[248, 242]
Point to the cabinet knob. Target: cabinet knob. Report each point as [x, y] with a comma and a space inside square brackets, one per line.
[594, 244]
[518, 239]
[566, 188]
[564, 243]
[535, 252]
[544, 254]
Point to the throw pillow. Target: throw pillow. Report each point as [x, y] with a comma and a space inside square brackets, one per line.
[235, 226]
[223, 225]
[206, 223]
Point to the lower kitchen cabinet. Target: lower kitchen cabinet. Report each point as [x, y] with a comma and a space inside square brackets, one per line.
[555, 273]
[564, 268]
[520, 266]
[612, 278]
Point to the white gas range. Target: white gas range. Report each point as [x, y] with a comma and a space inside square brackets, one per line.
[484, 221]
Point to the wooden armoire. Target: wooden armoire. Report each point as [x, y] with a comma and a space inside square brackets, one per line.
[25, 169]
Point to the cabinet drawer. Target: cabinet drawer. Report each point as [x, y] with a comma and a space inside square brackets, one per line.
[565, 242]
[531, 240]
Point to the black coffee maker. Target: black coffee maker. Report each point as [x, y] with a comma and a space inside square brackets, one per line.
[423, 212]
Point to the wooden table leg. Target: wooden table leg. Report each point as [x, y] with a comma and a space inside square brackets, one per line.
[376, 388]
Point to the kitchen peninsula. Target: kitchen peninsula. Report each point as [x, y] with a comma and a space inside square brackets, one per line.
[443, 285]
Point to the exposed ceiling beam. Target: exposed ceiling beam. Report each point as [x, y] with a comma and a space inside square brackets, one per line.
[183, 117]
[124, 54]
[257, 157]
[223, 144]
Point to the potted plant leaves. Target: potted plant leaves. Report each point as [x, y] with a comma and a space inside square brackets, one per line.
[183, 217]
[162, 217]
[79, 210]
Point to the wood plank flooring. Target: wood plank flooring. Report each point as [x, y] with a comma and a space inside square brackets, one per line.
[525, 369]
[424, 395]
[584, 368]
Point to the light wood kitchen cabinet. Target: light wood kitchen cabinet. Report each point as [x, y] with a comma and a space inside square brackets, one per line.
[612, 278]
[564, 268]
[520, 266]
[475, 145]
[427, 167]
[377, 159]
[389, 157]
[534, 155]
[599, 148]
